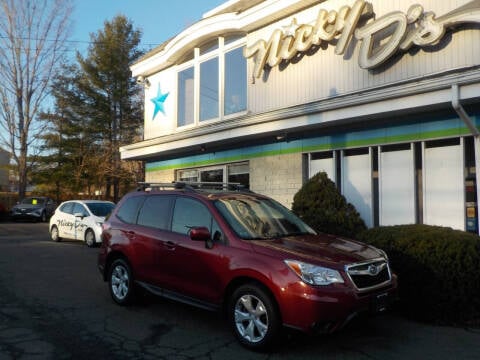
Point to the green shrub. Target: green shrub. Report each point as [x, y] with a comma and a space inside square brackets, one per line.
[320, 205]
[438, 270]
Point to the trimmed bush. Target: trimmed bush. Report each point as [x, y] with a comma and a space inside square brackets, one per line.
[320, 205]
[438, 270]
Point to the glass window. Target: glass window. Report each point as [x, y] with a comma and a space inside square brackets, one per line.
[80, 209]
[188, 175]
[239, 173]
[100, 208]
[185, 97]
[209, 89]
[213, 175]
[129, 209]
[258, 218]
[210, 46]
[67, 208]
[190, 213]
[235, 82]
[155, 212]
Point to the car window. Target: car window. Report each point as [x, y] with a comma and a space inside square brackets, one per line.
[80, 209]
[33, 201]
[100, 209]
[190, 213]
[67, 208]
[155, 212]
[128, 211]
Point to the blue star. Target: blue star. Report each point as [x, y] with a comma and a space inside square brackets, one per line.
[159, 100]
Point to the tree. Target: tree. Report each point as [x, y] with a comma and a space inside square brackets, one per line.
[320, 204]
[97, 109]
[111, 95]
[32, 47]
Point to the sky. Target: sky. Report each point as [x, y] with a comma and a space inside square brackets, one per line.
[159, 20]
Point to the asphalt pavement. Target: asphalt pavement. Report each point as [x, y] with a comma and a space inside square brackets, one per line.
[54, 305]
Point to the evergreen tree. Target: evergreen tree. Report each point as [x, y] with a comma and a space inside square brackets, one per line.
[97, 109]
[110, 95]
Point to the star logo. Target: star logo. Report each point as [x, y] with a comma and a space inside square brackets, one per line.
[159, 100]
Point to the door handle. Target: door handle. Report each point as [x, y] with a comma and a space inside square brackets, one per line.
[170, 245]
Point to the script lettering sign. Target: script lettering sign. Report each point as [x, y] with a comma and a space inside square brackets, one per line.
[416, 27]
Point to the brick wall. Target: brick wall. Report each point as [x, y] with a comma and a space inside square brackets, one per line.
[279, 176]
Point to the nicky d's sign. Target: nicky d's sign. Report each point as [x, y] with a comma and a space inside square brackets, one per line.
[379, 38]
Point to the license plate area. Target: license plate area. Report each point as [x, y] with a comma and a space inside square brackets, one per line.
[379, 303]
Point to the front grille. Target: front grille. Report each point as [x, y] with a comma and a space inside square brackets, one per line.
[369, 275]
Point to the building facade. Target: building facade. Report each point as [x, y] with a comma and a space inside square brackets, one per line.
[381, 95]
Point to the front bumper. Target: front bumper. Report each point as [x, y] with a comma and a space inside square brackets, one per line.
[325, 310]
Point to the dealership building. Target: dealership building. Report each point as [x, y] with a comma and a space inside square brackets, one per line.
[384, 96]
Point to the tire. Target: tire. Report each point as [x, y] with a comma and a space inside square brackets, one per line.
[90, 238]
[120, 282]
[54, 234]
[254, 317]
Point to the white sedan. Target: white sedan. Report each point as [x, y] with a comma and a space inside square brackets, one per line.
[80, 220]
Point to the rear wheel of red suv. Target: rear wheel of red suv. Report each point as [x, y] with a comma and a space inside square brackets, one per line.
[254, 317]
[120, 282]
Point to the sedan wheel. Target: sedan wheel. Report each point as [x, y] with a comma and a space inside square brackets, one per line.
[54, 234]
[121, 282]
[90, 238]
[254, 317]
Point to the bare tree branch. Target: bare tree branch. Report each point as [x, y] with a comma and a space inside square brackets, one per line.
[32, 47]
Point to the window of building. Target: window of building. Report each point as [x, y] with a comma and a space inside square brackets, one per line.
[186, 99]
[235, 82]
[232, 173]
[209, 94]
[215, 85]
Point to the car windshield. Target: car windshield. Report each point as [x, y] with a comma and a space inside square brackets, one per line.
[258, 218]
[32, 201]
[100, 209]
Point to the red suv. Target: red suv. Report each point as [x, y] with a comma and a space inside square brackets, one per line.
[244, 253]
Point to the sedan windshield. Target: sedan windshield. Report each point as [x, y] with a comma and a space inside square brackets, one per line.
[100, 209]
[258, 218]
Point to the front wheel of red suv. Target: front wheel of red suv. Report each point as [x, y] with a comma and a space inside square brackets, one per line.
[120, 282]
[254, 317]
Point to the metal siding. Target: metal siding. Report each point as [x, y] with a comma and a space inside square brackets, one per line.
[324, 75]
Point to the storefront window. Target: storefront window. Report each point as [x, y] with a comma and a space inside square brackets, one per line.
[209, 97]
[185, 97]
[235, 82]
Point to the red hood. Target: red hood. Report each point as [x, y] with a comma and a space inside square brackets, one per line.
[321, 249]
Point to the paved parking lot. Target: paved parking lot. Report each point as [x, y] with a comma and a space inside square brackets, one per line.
[53, 305]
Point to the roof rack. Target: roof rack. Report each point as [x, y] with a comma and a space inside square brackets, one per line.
[192, 186]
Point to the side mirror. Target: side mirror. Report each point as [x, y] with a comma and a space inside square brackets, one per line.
[79, 215]
[202, 234]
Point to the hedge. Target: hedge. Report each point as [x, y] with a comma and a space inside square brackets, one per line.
[438, 270]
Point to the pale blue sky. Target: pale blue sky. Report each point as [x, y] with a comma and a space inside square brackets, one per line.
[159, 20]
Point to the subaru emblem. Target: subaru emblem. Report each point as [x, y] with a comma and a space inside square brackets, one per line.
[373, 269]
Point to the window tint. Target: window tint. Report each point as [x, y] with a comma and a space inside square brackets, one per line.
[155, 212]
[80, 209]
[67, 208]
[190, 213]
[129, 209]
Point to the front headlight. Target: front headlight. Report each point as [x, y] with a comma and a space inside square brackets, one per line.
[313, 274]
